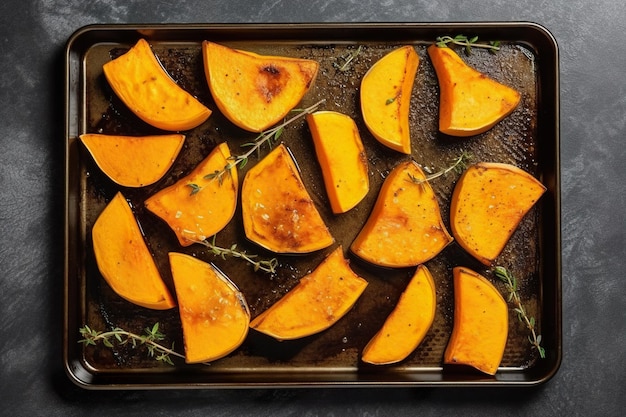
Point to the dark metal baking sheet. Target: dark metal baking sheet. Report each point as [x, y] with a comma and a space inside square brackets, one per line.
[528, 138]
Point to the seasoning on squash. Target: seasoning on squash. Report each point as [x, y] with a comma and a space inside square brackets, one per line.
[481, 323]
[488, 203]
[386, 91]
[213, 312]
[255, 91]
[278, 212]
[319, 300]
[141, 82]
[124, 260]
[341, 155]
[199, 205]
[407, 325]
[133, 161]
[405, 227]
[469, 102]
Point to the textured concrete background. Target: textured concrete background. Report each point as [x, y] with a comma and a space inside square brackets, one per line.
[592, 377]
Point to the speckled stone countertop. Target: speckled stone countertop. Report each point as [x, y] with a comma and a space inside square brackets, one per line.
[592, 376]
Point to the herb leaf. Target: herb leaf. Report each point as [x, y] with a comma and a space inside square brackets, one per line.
[468, 43]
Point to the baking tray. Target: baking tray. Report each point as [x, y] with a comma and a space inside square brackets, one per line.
[529, 138]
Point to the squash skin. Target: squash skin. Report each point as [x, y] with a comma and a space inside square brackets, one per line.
[386, 95]
[278, 212]
[318, 301]
[133, 161]
[255, 91]
[195, 217]
[488, 202]
[140, 81]
[470, 103]
[213, 312]
[124, 259]
[405, 227]
[481, 321]
[342, 157]
[407, 325]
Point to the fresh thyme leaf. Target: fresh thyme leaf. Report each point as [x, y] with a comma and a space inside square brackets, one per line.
[390, 100]
[510, 283]
[195, 188]
[122, 337]
[467, 43]
[458, 165]
[347, 59]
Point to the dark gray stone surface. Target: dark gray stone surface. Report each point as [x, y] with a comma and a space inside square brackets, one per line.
[592, 378]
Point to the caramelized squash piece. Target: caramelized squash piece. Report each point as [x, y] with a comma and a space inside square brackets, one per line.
[407, 324]
[481, 321]
[213, 312]
[140, 81]
[405, 227]
[386, 96]
[278, 212]
[318, 301]
[470, 102]
[488, 203]
[124, 259]
[200, 204]
[255, 91]
[133, 161]
[341, 155]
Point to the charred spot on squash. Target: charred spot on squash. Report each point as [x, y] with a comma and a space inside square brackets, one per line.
[271, 81]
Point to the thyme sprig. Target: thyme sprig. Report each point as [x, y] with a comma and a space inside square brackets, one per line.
[121, 337]
[265, 265]
[269, 137]
[468, 43]
[346, 59]
[511, 285]
[459, 164]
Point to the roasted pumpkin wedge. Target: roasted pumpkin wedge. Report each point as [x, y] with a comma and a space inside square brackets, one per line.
[386, 91]
[405, 227]
[133, 161]
[255, 91]
[202, 203]
[488, 203]
[407, 325]
[213, 312]
[141, 82]
[318, 301]
[278, 212]
[341, 155]
[481, 321]
[124, 260]
[470, 102]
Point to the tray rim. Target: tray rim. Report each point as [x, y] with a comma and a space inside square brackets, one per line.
[84, 377]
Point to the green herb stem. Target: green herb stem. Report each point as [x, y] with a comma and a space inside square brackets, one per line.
[458, 165]
[511, 285]
[468, 43]
[122, 337]
[265, 265]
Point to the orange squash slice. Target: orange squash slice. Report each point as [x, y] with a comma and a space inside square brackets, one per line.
[255, 91]
[405, 227]
[405, 328]
[386, 96]
[213, 312]
[470, 102]
[341, 155]
[488, 203]
[124, 259]
[278, 212]
[133, 161]
[140, 81]
[316, 303]
[481, 320]
[200, 204]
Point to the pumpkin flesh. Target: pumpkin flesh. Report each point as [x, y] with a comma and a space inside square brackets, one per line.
[141, 82]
